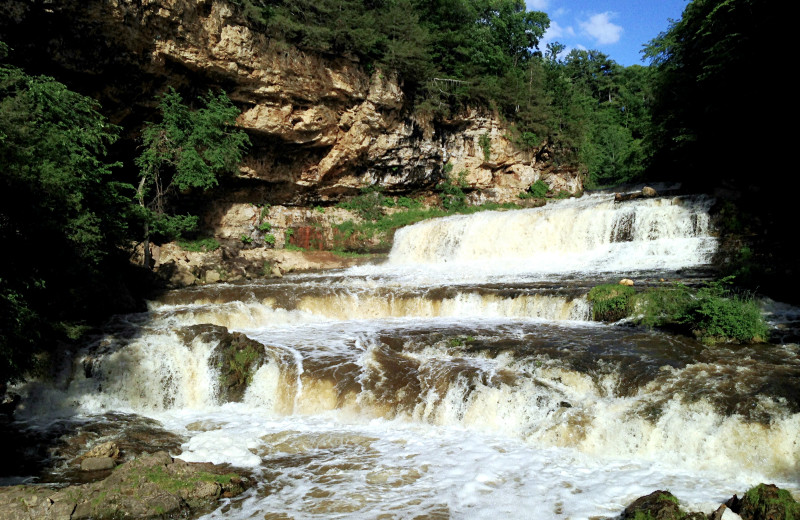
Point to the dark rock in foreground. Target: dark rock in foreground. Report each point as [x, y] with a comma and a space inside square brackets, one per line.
[153, 485]
[762, 502]
[658, 505]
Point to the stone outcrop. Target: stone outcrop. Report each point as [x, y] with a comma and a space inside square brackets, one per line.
[152, 486]
[762, 502]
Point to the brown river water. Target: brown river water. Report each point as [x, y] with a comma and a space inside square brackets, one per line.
[462, 378]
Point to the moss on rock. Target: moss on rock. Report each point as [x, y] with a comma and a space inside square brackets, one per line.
[768, 502]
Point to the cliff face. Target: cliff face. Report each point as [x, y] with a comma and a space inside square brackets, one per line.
[320, 126]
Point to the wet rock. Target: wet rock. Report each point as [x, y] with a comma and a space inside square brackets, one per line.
[97, 463]
[658, 505]
[627, 282]
[622, 197]
[237, 358]
[768, 502]
[647, 191]
[107, 449]
[151, 486]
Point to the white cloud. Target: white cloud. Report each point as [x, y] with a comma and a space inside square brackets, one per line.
[600, 28]
[556, 31]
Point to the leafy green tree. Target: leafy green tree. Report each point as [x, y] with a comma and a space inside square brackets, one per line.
[719, 78]
[62, 215]
[188, 149]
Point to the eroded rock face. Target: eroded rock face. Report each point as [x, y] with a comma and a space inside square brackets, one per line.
[321, 126]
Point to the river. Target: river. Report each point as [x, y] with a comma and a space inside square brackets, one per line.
[463, 377]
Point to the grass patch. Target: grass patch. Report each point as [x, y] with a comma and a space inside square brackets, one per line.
[713, 313]
[173, 485]
[610, 302]
[204, 245]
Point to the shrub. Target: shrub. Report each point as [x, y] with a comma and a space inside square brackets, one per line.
[715, 318]
[538, 190]
[610, 302]
[712, 313]
[486, 145]
[201, 244]
[453, 196]
[368, 205]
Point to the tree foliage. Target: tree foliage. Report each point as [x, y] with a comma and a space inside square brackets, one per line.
[61, 212]
[717, 80]
[188, 149]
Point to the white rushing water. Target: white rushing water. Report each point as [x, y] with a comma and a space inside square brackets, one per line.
[413, 389]
[588, 235]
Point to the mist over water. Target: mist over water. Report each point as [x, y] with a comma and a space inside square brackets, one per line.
[462, 378]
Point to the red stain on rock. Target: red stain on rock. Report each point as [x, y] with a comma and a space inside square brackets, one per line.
[307, 237]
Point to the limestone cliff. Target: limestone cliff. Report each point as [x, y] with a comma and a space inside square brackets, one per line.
[320, 125]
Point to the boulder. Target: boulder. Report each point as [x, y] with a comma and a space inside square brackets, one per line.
[152, 486]
[97, 463]
[658, 505]
[106, 449]
[647, 191]
[627, 282]
[768, 502]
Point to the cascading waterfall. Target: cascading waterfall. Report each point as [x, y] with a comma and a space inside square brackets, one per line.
[462, 377]
[586, 235]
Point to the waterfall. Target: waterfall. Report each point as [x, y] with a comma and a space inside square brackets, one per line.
[462, 377]
[590, 234]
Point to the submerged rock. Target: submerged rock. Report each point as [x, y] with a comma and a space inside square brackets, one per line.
[154, 485]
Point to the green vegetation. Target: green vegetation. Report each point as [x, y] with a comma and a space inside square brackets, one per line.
[486, 145]
[768, 501]
[57, 194]
[204, 245]
[460, 341]
[713, 313]
[610, 302]
[369, 204]
[188, 149]
[452, 193]
[237, 363]
[537, 190]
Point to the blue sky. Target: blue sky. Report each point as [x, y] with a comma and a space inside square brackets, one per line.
[617, 28]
